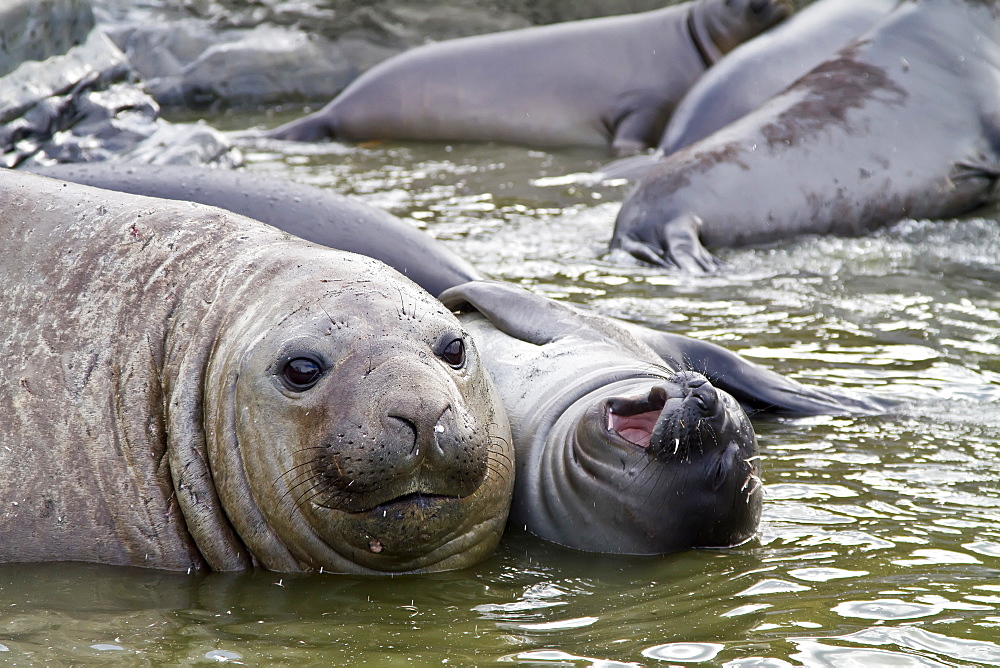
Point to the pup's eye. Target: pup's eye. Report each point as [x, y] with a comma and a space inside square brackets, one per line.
[301, 373]
[454, 353]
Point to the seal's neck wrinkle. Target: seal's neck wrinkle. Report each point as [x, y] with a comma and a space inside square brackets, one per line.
[194, 339]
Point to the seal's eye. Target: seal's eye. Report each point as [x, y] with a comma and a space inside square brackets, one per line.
[454, 353]
[301, 373]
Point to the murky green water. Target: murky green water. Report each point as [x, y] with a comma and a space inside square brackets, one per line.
[880, 543]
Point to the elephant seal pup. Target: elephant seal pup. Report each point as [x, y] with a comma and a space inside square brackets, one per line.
[754, 72]
[595, 82]
[314, 214]
[620, 446]
[903, 122]
[182, 388]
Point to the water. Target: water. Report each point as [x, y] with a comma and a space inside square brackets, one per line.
[880, 541]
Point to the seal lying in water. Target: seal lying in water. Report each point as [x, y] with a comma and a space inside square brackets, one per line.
[754, 72]
[596, 405]
[620, 446]
[902, 122]
[181, 388]
[611, 80]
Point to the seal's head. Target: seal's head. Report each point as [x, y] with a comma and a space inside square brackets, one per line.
[617, 451]
[719, 26]
[351, 425]
[676, 460]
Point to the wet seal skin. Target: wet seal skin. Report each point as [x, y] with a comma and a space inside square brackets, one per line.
[628, 440]
[902, 122]
[609, 81]
[184, 388]
[314, 214]
[754, 72]
[596, 405]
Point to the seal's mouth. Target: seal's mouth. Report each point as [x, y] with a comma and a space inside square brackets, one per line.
[633, 420]
[399, 506]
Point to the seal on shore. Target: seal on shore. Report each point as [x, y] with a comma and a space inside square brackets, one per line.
[183, 388]
[903, 122]
[597, 82]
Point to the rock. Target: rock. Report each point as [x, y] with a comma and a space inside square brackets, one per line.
[84, 103]
[189, 64]
[37, 29]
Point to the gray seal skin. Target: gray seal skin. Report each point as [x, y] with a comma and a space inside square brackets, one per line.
[754, 72]
[620, 446]
[314, 214]
[558, 370]
[902, 122]
[595, 82]
[183, 388]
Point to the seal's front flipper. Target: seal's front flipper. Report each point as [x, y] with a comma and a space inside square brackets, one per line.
[683, 246]
[756, 388]
[639, 126]
[514, 311]
[537, 319]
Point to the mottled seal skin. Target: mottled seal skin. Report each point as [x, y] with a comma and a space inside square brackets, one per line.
[903, 122]
[183, 388]
[314, 214]
[621, 446]
[595, 82]
[597, 406]
[754, 72]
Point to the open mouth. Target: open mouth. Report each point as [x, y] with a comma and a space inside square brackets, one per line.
[634, 419]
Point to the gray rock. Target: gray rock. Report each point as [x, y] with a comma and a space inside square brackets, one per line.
[189, 64]
[37, 29]
[185, 144]
[85, 104]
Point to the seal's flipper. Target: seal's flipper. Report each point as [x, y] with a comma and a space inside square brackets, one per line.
[683, 246]
[515, 311]
[313, 127]
[639, 126]
[537, 319]
[756, 388]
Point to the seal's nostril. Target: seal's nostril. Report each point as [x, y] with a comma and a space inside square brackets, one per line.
[406, 432]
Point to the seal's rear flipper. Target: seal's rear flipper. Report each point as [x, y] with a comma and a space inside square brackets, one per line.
[309, 128]
[756, 388]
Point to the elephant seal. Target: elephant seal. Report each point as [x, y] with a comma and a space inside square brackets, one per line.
[314, 214]
[595, 82]
[754, 72]
[620, 445]
[904, 121]
[183, 388]
[672, 436]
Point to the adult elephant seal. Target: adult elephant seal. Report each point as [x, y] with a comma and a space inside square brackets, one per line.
[314, 214]
[611, 80]
[754, 72]
[598, 408]
[183, 388]
[620, 446]
[902, 122]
